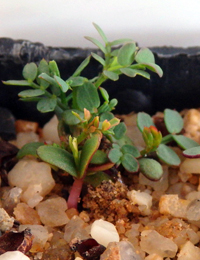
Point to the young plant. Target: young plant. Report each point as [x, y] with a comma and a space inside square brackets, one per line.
[93, 140]
[158, 144]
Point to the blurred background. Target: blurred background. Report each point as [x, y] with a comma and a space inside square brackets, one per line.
[64, 23]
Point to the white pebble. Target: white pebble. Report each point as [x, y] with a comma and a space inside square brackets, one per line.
[31, 172]
[189, 252]
[153, 257]
[24, 138]
[190, 166]
[152, 242]
[50, 131]
[142, 199]
[14, 255]
[104, 232]
[6, 222]
[52, 211]
[32, 195]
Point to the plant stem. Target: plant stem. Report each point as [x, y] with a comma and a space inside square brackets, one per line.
[100, 80]
[166, 139]
[75, 193]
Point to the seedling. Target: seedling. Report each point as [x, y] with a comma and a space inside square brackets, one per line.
[93, 140]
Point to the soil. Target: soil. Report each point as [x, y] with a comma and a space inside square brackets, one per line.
[160, 219]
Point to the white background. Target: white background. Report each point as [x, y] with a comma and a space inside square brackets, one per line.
[64, 23]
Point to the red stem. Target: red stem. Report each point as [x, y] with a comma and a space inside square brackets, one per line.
[75, 193]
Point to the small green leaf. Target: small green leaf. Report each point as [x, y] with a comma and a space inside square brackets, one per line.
[145, 56]
[154, 67]
[17, 82]
[43, 68]
[31, 93]
[143, 119]
[76, 81]
[112, 104]
[29, 149]
[131, 150]
[87, 97]
[63, 85]
[111, 75]
[97, 178]
[30, 71]
[173, 121]
[58, 157]
[81, 67]
[114, 155]
[167, 155]
[134, 72]
[46, 105]
[120, 42]
[98, 58]
[89, 149]
[70, 119]
[99, 157]
[106, 116]
[126, 54]
[104, 94]
[130, 163]
[48, 78]
[53, 67]
[120, 130]
[151, 168]
[31, 99]
[193, 152]
[184, 142]
[101, 33]
[97, 43]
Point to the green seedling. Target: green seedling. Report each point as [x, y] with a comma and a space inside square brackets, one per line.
[158, 144]
[93, 140]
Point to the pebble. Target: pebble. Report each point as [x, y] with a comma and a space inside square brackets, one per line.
[193, 210]
[32, 195]
[153, 257]
[52, 211]
[142, 199]
[190, 166]
[171, 204]
[152, 242]
[50, 131]
[189, 252]
[31, 172]
[24, 138]
[6, 222]
[10, 197]
[40, 234]
[122, 250]
[14, 255]
[76, 228]
[104, 232]
[26, 126]
[26, 215]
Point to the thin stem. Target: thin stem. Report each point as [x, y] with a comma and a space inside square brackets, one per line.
[75, 192]
[100, 80]
[166, 139]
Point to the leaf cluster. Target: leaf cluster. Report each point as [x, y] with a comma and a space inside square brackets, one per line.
[92, 139]
[156, 143]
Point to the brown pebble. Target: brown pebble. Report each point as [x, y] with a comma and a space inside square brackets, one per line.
[72, 212]
[25, 126]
